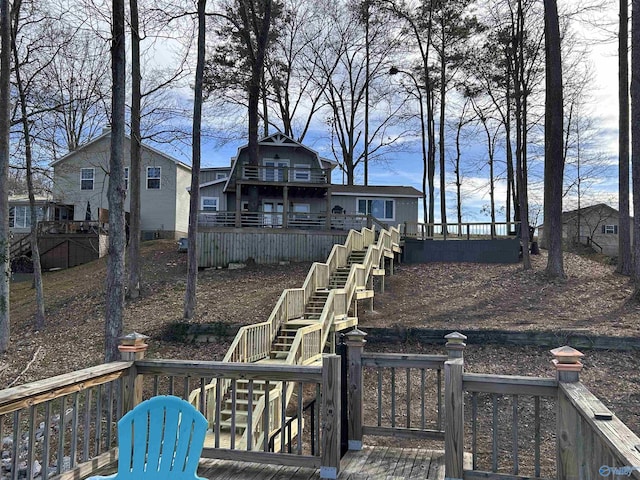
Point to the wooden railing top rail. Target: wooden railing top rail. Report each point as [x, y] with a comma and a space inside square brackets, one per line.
[510, 384]
[619, 439]
[33, 393]
[231, 370]
[402, 360]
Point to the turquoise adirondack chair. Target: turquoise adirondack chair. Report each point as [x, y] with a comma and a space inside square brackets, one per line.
[160, 439]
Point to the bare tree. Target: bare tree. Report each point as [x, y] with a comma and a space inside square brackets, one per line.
[5, 130]
[554, 158]
[624, 227]
[22, 86]
[116, 191]
[192, 264]
[635, 141]
[133, 290]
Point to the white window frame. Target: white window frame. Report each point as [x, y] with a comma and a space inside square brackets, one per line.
[159, 178]
[24, 216]
[221, 175]
[301, 172]
[370, 200]
[277, 172]
[92, 179]
[126, 178]
[205, 208]
[610, 229]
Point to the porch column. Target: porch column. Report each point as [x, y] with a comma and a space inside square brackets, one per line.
[328, 219]
[454, 407]
[285, 206]
[238, 204]
[132, 347]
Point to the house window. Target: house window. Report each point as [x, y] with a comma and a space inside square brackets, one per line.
[244, 206]
[209, 204]
[126, 178]
[221, 175]
[86, 178]
[274, 170]
[302, 173]
[610, 229]
[153, 178]
[20, 216]
[381, 208]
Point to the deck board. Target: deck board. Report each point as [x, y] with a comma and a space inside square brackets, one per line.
[370, 463]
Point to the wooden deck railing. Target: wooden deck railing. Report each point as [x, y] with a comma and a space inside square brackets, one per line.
[68, 422]
[295, 220]
[64, 422]
[465, 230]
[71, 227]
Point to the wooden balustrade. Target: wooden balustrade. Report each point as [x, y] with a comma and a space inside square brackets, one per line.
[466, 230]
[68, 416]
[418, 396]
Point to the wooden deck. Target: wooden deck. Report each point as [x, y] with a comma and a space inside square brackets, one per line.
[371, 463]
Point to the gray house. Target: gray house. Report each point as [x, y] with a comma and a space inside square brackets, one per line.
[595, 225]
[295, 191]
[81, 179]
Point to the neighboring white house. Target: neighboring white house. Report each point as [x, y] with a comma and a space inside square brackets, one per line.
[81, 180]
[20, 213]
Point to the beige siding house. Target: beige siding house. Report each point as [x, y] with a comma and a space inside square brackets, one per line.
[81, 180]
[596, 226]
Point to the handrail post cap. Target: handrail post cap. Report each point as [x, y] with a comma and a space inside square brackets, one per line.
[455, 339]
[356, 334]
[567, 355]
[133, 342]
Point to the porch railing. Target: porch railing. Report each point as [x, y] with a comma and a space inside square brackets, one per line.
[295, 220]
[464, 230]
[284, 174]
[71, 227]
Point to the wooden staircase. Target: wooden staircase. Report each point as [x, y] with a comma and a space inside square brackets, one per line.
[281, 346]
[296, 333]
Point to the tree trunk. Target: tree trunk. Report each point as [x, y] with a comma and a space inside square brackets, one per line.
[116, 192]
[192, 262]
[133, 290]
[28, 154]
[553, 132]
[624, 234]
[635, 141]
[5, 126]
[441, 146]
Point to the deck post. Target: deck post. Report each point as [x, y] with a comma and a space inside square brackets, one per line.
[454, 407]
[330, 407]
[370, 287]
[567, 364]
[132, 347]
[355, 341]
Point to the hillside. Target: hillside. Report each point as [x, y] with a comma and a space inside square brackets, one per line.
[451, 296]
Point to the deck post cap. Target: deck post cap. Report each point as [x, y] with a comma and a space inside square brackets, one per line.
[355, 337]
[456, 337]
[567, 363]
[133, 342]
[567, 355]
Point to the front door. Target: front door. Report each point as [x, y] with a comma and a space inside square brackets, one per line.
[273, 213]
